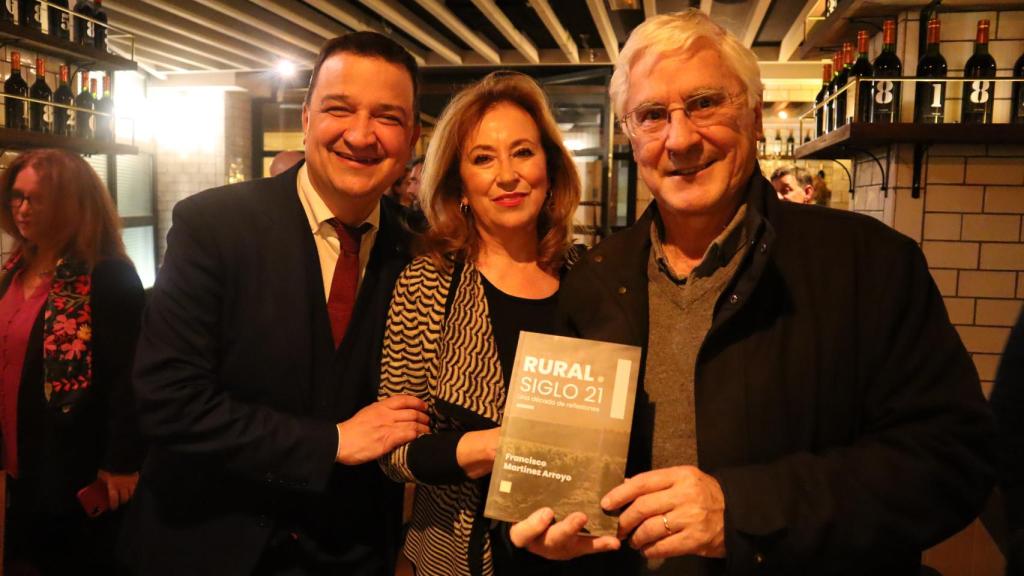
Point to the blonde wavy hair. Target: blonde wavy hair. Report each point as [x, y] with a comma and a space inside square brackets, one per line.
[452, 234]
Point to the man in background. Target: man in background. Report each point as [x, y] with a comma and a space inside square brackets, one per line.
[793, 184]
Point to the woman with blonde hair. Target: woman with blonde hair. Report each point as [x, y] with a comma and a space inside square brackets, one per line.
[70, 307]
[499, 190]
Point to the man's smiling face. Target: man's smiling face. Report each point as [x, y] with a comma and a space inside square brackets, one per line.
[359, 126]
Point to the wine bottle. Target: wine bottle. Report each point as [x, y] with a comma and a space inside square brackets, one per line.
[976, 103]
[58, 19]
[100, 30]
[1017, 102]
[14, 110]
[63, 95]
[84, 100]
[819, 113]
[930, 97]
[777, 145]
[790, 145]
[807, 137]
[105, 124]
[885, 94]
[30, 14]
[862, 70]
[760, 149]
[830, 102]
[39, 114]
[839, 110]
[84, 30]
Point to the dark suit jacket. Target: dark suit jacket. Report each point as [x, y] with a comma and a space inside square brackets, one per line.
[835, 403]
[240, 388]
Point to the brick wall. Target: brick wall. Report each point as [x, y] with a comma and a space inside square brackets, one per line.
[968, 221]
[217, 151]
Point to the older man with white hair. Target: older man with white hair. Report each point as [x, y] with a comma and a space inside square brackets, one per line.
[806, 406]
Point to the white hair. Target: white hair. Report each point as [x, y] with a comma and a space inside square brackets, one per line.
[677, 33]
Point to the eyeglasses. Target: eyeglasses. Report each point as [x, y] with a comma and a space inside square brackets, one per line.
[18, 199]
[704, 109]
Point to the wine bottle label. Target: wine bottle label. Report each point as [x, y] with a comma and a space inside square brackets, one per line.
[885, 100]
[47, 115]
[10, 6]
[37, 13]
[64, 21]
[931, 102]
[980, 91]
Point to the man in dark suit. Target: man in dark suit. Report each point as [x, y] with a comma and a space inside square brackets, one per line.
[258, 364]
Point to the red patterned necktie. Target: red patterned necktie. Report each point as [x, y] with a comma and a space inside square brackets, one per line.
[342, 298]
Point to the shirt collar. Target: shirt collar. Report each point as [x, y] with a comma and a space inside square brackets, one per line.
[718, 253]
[317, 212]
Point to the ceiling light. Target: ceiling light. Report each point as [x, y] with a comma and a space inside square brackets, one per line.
[783, 115]
[285, 68]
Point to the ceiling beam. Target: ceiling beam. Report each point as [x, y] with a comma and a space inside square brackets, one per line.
[179, 25]
[303, 16]
[143, 55]
[356, 19]
[604, 28]
[253, 16]
[562, 36]
[409, 23]
[182, 43]
[478, 43]
[509, 30]
[154, 49]
[214, 20]
[795, 36]
[755, 21]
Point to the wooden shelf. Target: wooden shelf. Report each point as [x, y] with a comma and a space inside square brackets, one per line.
[78, 55]
[828, 34]
[23, 139]
[856, 136]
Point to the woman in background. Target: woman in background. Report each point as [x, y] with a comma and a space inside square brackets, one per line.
[499, 191]
[70, 307]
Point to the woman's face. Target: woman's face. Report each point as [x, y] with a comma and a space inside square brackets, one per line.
[504, 172]
[29, 205]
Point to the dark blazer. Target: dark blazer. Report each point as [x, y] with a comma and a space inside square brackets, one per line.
[62, 446]
[240, 388]
[835, 403]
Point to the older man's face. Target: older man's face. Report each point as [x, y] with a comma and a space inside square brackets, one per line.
[694, 170]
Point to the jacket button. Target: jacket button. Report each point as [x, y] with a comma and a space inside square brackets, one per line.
[764, 247]
[759, 558]
[599, 258]
[622, 290]
[734, 299]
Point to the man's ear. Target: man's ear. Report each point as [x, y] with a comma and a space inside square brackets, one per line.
[305, 121]
[416, 129]
[809, 191]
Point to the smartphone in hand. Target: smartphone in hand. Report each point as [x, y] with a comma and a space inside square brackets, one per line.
[94, 498]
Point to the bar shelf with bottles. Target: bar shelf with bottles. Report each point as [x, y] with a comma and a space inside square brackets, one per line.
[873, 117]
[39, 116]
[77, 37]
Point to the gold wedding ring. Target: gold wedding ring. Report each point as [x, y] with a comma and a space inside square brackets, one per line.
[664, 520]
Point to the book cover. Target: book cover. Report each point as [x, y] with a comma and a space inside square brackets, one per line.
[565, 429]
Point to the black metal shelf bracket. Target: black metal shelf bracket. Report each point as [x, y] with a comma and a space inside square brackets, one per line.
[849, 178]
[884, 171]
[915, 186]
